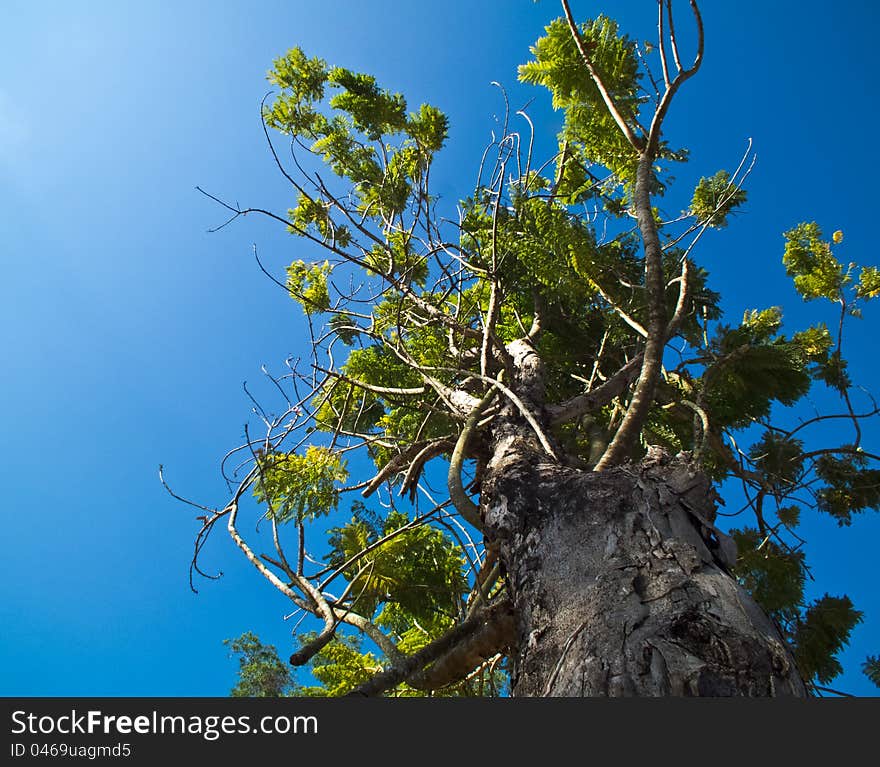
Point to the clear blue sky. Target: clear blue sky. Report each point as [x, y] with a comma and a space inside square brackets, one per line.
[127, 329]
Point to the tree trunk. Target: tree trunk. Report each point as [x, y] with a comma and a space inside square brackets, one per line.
[621, 584]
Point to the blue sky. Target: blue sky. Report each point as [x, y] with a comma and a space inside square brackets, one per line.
[127, 329]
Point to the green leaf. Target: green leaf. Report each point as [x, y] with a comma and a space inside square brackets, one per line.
[416, 574]
[715, 197]
[300, 74]
[345, 327]
[752, 369]
[588, 126]
[307, 284]
[808, 259]
[261, 673]
[790, 516]
[779, 459]
[871, 667]
[429, 128]
[774, 577]
[374, 111]
[850, 487]
[339, 667]
[300, 486]
[815, 342]
[869, 283]
[822, 632]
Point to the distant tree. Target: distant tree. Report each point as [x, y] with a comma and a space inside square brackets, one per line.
[261, 673]
[558, 347]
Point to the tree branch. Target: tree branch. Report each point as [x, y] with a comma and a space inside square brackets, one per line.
[636, 142]
[598, 397]
[672, 88]
[460, 499]
[400, 672]
[655, 289]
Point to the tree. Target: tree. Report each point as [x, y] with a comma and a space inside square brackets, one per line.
[560, 349]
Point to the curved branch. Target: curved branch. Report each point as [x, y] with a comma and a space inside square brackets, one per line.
[397, 463]
[704, 428]
[643, 396]
[460, 499]
[683, 74]
[493, 636]
[684, 294]
[633, 323]
[431, 450]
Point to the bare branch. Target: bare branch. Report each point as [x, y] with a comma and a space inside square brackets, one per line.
[431, 450]
[661, 43]
[398, 463]
[683, 75]
[598, 397]
[634, 324]
[683, 299]
[370, 387]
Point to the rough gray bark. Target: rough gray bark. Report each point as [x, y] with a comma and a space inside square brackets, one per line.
[620, 582]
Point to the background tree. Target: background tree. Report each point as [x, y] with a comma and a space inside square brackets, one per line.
[559, 347]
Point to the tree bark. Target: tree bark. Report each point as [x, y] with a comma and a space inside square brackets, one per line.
[621, 583]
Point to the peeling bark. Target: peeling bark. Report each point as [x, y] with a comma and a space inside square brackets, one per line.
[620, 582]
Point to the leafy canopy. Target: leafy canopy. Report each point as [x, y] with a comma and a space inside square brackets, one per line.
[412, 311]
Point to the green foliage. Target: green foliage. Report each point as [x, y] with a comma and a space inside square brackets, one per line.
[413, 576]
[715, 197]
[429, 128]
[300, 486]
[833, 372]
[397, 257]
[346, 405]
[588, 126]
[871, 667]
[339, 667]
[823, 364]
[345, 328]
[869, 283]
[773, 576]
[822, 632]
[780, 459]
[261, 673]
[307, 284]
[411, 583]
[344, 664]
[815, 342]
[352, 132]
[790, 516]
[543, 245]
[313, 216]
[751, 369]
[304, 79]
[373, 111]
[850, 488]
[809, 260]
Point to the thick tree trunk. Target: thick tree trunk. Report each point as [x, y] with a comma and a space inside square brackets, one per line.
[620, 582]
